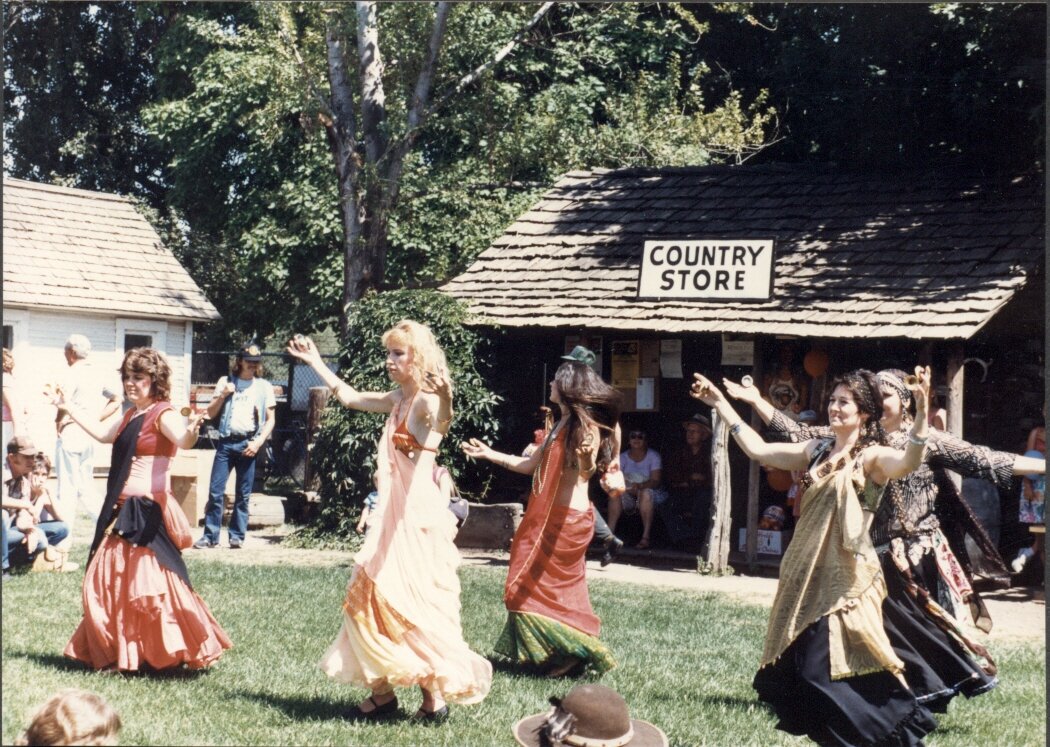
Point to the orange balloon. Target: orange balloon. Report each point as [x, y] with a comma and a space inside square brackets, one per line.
[815, 363]
[779, 479]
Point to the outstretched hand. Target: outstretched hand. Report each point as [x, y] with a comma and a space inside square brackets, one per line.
[747, 393]
[476, 449]
[919, 386]
[304, 349]
[704, 390]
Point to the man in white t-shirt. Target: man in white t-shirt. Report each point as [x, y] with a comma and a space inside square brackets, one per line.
[90, 390]
[245, 405]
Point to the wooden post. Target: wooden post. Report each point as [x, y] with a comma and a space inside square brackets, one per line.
[956, 380]
[716, 548]
[315, 411]
[754, 473]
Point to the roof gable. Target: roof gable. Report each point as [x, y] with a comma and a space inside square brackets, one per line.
[931, 255]
[80, 250]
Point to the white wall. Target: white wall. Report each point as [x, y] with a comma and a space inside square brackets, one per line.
[40, 338]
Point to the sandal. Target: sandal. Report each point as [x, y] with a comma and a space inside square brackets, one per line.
[643, 544]
[424, 716]
[378, 712]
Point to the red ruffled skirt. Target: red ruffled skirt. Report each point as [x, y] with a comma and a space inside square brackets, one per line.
[136, 612]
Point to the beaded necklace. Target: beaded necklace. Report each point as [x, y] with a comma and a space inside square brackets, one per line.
[542, 471]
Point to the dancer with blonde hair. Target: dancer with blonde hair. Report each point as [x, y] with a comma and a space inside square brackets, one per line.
[401, 614]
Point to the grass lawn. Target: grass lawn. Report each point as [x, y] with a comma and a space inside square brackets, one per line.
[686, 662]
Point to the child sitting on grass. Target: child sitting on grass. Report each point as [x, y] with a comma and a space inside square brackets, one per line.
[27, 520]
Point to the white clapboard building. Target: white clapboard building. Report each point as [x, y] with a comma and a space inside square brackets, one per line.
[77, 261]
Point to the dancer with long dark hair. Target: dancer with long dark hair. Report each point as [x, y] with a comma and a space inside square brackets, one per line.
[550, 622]
[828, 668]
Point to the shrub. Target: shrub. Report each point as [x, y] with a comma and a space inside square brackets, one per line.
[344, 452]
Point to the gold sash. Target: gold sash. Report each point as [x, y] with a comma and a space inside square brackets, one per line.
[830, 568]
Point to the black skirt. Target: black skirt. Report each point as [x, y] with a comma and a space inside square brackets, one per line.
[868, 710]
[936, 666]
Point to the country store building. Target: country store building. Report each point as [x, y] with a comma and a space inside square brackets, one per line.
[868, 270]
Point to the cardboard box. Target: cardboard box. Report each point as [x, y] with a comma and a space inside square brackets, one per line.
[769, 542]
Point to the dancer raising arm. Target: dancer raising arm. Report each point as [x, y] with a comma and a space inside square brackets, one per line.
[401, 622]
[826, 646]
[140, 610]
[550, 622]
[918, 533]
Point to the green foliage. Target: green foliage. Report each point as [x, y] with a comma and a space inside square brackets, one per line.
[345, 449]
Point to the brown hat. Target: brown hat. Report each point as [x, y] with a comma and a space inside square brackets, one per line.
[589, 716]
[698, 418]
[21, 445]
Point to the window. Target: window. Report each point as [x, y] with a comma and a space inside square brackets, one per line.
[137, 341]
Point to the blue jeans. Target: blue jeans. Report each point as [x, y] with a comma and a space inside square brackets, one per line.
[14, 549]
[229, 451]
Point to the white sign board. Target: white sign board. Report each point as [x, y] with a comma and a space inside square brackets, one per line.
[707, 269]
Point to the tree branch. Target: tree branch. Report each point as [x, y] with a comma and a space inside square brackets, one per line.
[370, 70]
[426, 75]
[480, 70]
[322, 102]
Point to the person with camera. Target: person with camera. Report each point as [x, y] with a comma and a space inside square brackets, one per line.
[245, 404]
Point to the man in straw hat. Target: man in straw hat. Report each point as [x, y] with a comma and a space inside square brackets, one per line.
[589, 716]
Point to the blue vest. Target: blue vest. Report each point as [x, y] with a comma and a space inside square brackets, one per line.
[260, 408]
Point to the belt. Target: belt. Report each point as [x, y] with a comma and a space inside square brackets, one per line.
[236, 437]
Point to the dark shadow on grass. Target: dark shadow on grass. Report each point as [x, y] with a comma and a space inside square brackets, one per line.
[57, 661]
[729, 701]
[310, 709]
[53, 661]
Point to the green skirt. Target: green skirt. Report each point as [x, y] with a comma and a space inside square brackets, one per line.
[537, 640]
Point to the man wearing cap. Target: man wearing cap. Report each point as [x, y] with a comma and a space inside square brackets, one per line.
[610, 542]
[245, 405]
[21, 456]
[689, 480]
[89, 390]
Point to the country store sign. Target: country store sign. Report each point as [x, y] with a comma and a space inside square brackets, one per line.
[707, 270]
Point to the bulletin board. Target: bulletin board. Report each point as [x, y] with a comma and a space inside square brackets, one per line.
[635, 372]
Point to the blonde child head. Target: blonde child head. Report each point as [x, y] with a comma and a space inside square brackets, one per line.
[73, 717]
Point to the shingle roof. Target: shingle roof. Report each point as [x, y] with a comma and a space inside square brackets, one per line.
[79, 250]
[931, 255]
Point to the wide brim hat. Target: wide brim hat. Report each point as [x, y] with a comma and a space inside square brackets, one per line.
[529, 733]
[698, 418]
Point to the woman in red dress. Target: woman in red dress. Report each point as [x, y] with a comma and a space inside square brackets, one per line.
[140, 610]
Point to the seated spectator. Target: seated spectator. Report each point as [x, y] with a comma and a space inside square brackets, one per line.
[44, 518]
[642, 470]
[689, 481]
[21, 457]
[41, 524]
[73, 717]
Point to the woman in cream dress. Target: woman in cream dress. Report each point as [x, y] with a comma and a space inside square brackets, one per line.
[401, 614]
